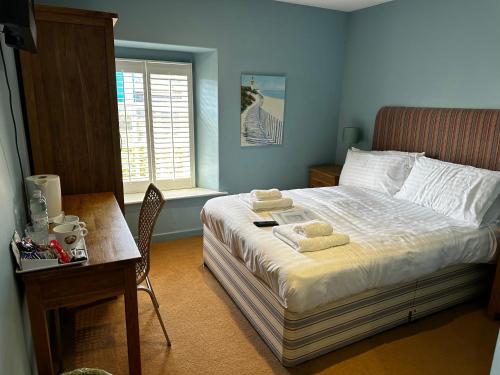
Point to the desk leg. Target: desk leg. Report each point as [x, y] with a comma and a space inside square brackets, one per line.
[132, 318]
[39, 329]
[58, 334]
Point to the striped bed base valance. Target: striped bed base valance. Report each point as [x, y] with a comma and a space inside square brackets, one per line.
[295, 338]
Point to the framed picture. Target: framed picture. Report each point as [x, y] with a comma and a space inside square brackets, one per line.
[262, 109]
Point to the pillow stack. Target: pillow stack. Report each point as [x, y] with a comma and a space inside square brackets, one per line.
[458, 191]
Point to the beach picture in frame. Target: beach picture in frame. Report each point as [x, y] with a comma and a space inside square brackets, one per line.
[262, 109]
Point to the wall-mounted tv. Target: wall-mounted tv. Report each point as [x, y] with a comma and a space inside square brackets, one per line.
[18, 20]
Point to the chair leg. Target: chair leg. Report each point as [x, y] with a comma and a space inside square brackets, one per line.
[149, 291]
[153, 297]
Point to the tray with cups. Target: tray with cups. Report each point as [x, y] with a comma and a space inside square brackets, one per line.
[65, 246]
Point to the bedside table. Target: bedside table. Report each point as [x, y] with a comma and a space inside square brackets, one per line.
[324, 175]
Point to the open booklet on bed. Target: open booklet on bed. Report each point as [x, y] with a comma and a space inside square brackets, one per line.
[294, 215]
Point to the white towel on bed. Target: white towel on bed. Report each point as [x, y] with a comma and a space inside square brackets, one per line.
[265, 195]
[272, 204]
[303, 244]
[313, 228]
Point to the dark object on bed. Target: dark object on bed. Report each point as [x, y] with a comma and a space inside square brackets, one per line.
[263, 224]
[463, 136]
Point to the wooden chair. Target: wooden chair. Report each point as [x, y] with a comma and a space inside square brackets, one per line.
[150, 209]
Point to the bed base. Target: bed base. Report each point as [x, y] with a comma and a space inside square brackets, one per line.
[295, 338]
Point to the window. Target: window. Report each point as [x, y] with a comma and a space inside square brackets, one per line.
[155, 109]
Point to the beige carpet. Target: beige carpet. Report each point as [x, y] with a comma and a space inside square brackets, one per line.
[211, 336]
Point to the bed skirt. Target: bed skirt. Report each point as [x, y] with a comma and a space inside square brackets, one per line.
[295, 338]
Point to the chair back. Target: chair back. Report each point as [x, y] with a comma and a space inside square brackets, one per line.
[150, 209]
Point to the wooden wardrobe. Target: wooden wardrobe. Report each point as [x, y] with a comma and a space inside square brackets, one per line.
[70, 96]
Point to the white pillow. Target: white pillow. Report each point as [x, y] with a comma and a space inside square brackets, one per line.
[459, 191]
[381, 172]
[410, 155]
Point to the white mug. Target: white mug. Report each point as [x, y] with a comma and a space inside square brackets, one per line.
[68, 219]
[68, 235]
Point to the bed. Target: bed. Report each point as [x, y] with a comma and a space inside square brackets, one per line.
[404, 262]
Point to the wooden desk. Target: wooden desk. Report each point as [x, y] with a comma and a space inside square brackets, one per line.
[109, 272]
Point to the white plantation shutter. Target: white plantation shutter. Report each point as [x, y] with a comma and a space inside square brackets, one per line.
[132, 113]
[156, 124]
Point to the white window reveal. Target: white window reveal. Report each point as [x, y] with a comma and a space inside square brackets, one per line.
[155, 108]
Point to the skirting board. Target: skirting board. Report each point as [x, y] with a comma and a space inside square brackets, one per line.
[168, 236]
[295, 338]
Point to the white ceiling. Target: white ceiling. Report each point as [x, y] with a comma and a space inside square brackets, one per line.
[343, 5]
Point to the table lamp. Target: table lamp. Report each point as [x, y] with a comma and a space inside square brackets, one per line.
[350, 135]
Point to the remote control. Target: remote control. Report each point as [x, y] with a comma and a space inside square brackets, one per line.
[261, 224]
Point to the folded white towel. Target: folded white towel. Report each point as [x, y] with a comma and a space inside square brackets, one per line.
[313, 228]
[303, 244]
[272, 204]
[265, 195]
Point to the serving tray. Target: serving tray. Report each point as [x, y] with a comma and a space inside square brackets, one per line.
[29, 265]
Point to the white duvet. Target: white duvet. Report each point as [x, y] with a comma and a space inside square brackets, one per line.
[392, 241]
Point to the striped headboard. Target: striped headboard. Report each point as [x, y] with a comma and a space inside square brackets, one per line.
[464, 136]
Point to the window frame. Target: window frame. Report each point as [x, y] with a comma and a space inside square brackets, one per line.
[148, 67]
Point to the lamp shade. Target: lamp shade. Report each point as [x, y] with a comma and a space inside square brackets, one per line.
[350, 135]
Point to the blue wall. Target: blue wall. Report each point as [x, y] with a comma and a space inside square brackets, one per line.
[260, 36]
[206, 92]
[420, 53]
[15, 358]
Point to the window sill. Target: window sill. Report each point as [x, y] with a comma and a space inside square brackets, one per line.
[136, 198]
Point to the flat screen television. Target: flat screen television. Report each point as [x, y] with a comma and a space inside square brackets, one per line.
[18, 20]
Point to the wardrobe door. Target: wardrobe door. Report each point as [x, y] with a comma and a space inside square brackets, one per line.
[70, 92]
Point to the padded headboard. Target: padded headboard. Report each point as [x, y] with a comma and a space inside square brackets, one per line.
[464, 136]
